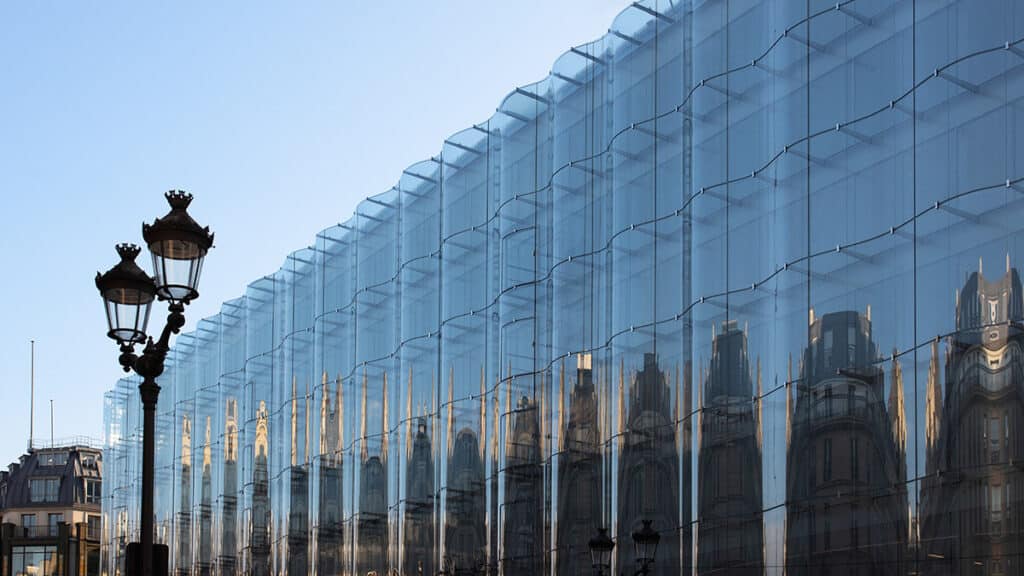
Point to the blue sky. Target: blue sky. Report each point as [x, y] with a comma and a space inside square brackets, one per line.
[278, 117]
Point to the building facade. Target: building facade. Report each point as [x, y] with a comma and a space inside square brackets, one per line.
[50, 521]
[714, 271]
[971, 496]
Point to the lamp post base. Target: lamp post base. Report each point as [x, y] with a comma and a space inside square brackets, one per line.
[133, 560]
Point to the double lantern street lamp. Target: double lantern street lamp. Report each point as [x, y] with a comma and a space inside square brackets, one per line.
[178, 245]
[645, 546]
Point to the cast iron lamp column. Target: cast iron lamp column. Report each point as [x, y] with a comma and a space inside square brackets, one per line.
[178, 246]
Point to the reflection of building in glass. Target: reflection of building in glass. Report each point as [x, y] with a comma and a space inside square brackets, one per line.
[623, 205]
[649, 466]
[970, 520]
[418, 529]
[731, 531]
[183, 539]
[465, 535]
[206, 507]
[524, 530]
[260, 539]
[298, 511]
[419, 511]
[372, 524]
[847, 511]
[579, 472]
[228, 546]
[330, 532]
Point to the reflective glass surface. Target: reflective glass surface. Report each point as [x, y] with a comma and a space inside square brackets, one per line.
[748, 270]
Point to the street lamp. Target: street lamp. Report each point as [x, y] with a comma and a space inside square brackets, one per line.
[645, 546]
[178, 246]
[601, 547]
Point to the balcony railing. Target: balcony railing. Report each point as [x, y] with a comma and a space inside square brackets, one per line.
[38, 531]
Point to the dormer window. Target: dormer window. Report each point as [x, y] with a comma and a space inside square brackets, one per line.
[42, 490]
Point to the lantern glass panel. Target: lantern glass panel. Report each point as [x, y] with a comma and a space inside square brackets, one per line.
[177, 265]
[127, 313]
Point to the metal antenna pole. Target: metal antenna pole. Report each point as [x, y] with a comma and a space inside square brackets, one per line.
[32, 397]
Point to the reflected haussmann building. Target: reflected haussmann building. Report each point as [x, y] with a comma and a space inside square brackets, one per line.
[580, 468]
[970, 520]
[259, 539]
[720, 270]
[184, 514]
[523, 520]
[330, 534]
[846, 458]
[229, 495]
[648, 470]
[730, 537]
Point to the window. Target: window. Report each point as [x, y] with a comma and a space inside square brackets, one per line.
[1006, 431]
[827, 460]
[854, 519]
[52, 521]
[93, 530]
[854, 458]
[851, 345]
[994, 437]
[995, 500]
[53, 459]
[827, 532]
[44, 489]
[28, 525]
[93, 491]
[36, 560]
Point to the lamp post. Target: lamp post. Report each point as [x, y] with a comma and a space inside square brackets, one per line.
[601, 547]
[645, 546]
[178, 246]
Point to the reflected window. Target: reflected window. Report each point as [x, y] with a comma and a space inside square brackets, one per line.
[828, 349]
[827, 532]
[851, 345]
[855, 458]
[994, 438]
[854, 520]
[826, 468]
[995, 500]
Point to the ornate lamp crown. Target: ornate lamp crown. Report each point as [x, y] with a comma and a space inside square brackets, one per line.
[178, 224]
[178, 199]
[127, 251]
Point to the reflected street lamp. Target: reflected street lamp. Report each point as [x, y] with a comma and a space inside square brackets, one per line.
[601, 547]
[645, 546]
[178, 246]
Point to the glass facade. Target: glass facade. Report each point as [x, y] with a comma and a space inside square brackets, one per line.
[746, 269]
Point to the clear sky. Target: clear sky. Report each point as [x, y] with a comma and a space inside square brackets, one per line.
[279, 117]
